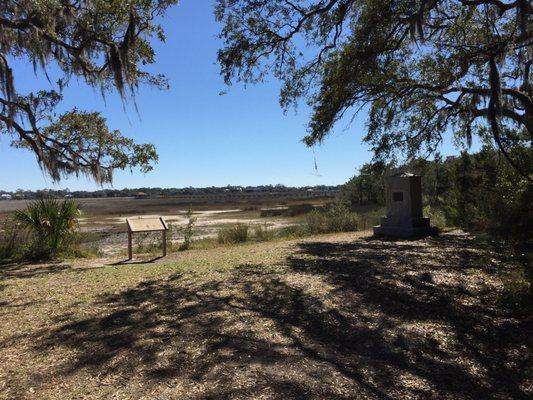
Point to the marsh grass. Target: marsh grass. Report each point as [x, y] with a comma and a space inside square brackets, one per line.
[236, 233]
[263, 233]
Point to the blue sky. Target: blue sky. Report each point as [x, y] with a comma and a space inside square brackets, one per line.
[203, 138]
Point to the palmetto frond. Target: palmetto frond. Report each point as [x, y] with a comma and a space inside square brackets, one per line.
[50, 219]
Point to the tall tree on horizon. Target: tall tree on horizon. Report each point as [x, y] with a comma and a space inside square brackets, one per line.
[103, 42]
[419, 67]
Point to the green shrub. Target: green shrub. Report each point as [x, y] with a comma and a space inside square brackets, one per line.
[52, 223]
[333, 218]
[237, 233]
[188, 231]
[315, 222]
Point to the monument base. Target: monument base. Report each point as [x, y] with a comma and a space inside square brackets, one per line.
[404, 227]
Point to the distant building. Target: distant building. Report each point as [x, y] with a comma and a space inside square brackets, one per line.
[5, 196]
[141, 195]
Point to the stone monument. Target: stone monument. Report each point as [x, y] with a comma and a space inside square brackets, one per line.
[404, 218]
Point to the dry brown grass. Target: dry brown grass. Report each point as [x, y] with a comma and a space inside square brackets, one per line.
[339, 316]
[166, 205]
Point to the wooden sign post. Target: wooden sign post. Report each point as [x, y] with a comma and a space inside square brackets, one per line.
[146, 224]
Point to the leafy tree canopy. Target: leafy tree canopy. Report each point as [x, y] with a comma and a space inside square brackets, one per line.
[420, 67]
[104, 42]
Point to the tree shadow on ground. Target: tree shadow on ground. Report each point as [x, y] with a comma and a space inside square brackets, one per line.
[367, 319]
[127, 261]
[30, 270]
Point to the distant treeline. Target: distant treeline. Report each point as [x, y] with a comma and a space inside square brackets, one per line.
[166, 192]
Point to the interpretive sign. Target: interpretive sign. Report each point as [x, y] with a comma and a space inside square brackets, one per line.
[146, 224]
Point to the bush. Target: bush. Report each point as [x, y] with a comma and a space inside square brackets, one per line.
[315, 222]
[237, 233]
[263, 233]
[333, 218]
[52, 223]
[486, 194]
[188, 231]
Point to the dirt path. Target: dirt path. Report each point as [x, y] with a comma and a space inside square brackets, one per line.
[333, 317]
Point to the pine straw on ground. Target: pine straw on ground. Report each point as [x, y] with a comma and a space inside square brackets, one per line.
[332, 317]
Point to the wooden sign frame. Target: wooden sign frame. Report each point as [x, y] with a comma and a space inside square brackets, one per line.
[146, 224]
